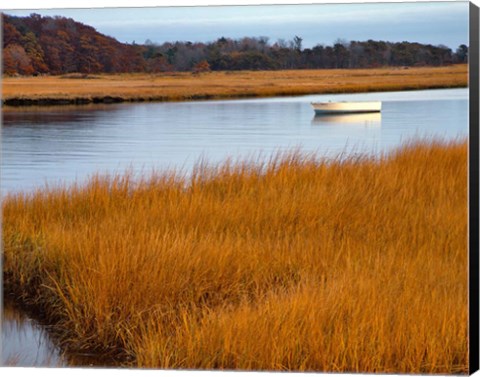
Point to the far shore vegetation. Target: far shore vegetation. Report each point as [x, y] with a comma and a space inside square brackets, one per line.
[293, 263]
[54, 61]
[37, 45]
[180, 86]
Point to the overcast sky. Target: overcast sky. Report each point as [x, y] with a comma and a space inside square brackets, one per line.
[435, 22]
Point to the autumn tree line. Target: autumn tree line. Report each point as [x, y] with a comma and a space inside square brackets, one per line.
[57, 45]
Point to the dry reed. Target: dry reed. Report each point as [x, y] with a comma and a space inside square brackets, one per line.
[185, 86]
[291, 264]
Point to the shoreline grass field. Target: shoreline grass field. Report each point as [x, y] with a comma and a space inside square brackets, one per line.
[293, 264]
[73, 89]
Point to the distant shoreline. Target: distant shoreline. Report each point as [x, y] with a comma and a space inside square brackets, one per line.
[171, 87]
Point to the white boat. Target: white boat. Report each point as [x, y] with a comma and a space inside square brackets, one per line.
[346, 107]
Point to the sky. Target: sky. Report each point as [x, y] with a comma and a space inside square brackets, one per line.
[425, 22]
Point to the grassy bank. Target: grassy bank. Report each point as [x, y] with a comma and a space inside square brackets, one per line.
[217, 85]
[302, 264]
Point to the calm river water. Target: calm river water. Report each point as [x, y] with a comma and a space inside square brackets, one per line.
[64, 144]
[25, 343]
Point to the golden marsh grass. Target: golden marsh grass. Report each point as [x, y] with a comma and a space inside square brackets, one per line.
[185, 86]
[295, 263]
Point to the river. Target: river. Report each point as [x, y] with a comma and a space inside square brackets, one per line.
[66, 144]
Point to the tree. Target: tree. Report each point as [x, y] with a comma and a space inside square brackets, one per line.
[52, 51]
[297, 43]
[35, 52]
[16, 60]
[202, 66]
[158, 64]
[59, 45]
[11, 35]
[461, 54]
[342, 55]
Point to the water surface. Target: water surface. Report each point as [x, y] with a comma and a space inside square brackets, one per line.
[48, 145]
[25, 343]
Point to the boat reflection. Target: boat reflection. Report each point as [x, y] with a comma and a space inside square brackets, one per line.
[366, 120]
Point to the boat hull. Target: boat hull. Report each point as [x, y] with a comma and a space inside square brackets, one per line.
[322, 108]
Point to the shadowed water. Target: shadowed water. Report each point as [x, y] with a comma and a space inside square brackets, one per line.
[25, 343]
[28, 343]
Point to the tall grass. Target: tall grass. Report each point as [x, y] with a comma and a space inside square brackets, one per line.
[294, 263]
[185, 86]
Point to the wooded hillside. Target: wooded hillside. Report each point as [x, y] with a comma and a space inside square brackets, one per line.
[44, 45]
